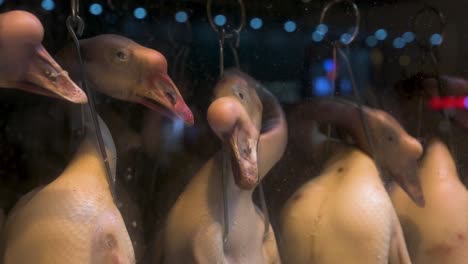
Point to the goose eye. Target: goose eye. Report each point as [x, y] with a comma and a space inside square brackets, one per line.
[121, 55]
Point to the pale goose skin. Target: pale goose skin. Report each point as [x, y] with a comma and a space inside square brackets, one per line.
[26, 65]
[73, 219]
[345, 214]
[436, 233]
[194, 228]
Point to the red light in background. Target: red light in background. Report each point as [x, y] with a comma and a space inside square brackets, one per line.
[440, 103]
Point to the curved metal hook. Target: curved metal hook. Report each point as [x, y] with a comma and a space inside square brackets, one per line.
[430, 50]
[216, 28]
[75, 8]
[428, 9]
[356, 13]
[76, 24]
[71, 23]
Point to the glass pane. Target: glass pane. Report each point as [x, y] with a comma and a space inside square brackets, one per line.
[233, 131]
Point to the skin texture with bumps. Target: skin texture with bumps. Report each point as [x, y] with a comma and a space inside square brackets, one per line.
[345, 214]
[436, 233]
[73, 219]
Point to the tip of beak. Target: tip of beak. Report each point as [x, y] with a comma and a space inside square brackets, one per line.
[244, 147]
[80, 99]
[183, 111]
[67, 89]
[413, 188]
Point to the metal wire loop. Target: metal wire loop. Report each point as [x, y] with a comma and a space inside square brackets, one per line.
[77, 24]
[216, 28]
[356, 13]
[428, 9]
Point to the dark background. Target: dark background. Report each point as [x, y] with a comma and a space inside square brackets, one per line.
[286, 63]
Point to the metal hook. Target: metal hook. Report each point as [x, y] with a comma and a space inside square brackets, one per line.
[335, 45]
[361, 111]
[356, 13]
[221, 52]
[182, 50]
[337, 48]
[216, 28]
[234, 54]
[225, 198]
[426, 9]
[75, 20]
[223, 34]
[75, 8]
[70, 26]
[334, 75]
[76, 24]
[429, 50]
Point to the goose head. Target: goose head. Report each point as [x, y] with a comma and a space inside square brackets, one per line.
[26, 65]
[125, 70]
[397, 152]
[235, 116]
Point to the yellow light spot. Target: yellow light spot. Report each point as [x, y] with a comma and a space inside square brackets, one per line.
[376, 57]
[404, 60]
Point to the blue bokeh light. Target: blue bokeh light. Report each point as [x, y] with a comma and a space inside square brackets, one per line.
[317, 37]
[220, 20]
[345, 86]
[95, 9]
[408, 37]
[181, 16]
[322, 86]
[322, 29]
[1, 2]
[371, 41]
[328, 65]
[256, 23]
[290, 26]
[465, 101]
[381, 34]
[139, 13]
[178, 126]
[436, 39]
[346, 38]
[399, 43]
[48, 5]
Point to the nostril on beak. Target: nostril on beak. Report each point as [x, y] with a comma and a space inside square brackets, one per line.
[172, 97]
[51, 76]
[247, 151]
